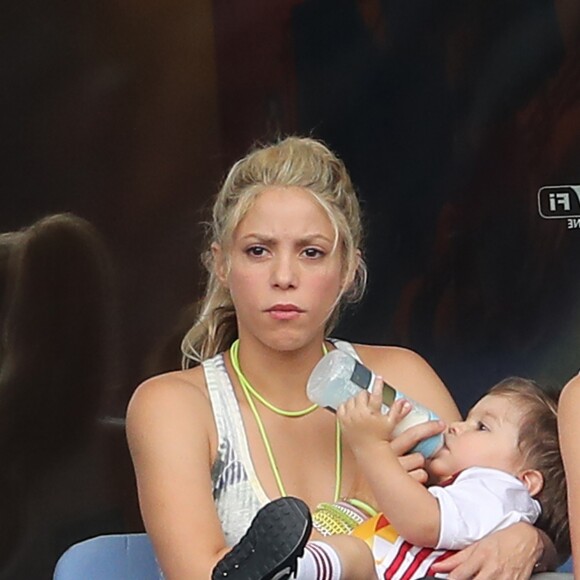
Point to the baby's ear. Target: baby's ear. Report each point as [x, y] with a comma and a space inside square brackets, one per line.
[533, 480]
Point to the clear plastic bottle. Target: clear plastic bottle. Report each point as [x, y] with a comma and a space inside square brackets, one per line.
[338, 377]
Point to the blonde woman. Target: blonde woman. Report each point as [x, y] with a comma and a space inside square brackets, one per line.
[213, 443]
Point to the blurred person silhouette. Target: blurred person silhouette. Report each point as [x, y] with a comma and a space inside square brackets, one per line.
[57, 360]
[7, 242]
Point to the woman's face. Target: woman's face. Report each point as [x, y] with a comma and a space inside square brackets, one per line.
[284, 277]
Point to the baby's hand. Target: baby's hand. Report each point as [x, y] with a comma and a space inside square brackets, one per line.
[361, 419]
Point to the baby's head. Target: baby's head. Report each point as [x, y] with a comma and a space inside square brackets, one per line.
[514, 428]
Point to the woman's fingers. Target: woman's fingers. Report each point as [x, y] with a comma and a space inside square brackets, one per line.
[503, 555]
[414, 465]
[412, 461]
[419, 475]
[453, 562]
[405, 441]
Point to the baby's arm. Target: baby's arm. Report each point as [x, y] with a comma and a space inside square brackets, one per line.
[406, 503]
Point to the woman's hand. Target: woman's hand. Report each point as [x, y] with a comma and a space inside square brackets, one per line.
[509, 554]
[414, 463]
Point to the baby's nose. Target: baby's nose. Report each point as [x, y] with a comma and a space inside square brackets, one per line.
[454, 428]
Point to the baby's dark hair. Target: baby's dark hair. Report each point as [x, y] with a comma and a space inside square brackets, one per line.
[540, 447]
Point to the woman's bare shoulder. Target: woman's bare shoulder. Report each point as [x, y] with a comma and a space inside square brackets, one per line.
[390, 360]
[570, 396]
[572, 387]
[410, 373]
[172, 394]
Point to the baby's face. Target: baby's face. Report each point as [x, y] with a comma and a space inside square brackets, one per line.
[487, 438]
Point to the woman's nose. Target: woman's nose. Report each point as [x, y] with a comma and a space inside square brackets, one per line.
[284, 274]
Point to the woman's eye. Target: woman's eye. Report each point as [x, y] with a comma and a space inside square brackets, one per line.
[256, 251]
[313, 253]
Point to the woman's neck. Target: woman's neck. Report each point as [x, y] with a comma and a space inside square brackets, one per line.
[279, 375]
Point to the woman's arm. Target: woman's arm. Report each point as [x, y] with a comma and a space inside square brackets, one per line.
[569, 431]
[513, 553]
[170, 430]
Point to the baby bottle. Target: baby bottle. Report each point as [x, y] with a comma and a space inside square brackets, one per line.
[338, 376]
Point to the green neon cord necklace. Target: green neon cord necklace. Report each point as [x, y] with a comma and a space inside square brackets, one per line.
[251, 394]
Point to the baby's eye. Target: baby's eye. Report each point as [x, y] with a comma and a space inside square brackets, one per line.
[313, 253]
[481, 426]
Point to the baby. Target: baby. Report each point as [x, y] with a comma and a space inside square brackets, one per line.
[500, 466]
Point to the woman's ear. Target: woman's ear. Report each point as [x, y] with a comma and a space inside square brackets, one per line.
[533, 480]
[351, 274]
[219, 260]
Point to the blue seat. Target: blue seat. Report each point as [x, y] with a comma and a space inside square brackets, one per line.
[111, 557]
[566, 566]
[131, 557]
[564, 572]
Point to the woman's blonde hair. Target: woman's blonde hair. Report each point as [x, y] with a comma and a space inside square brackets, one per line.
[291, 162]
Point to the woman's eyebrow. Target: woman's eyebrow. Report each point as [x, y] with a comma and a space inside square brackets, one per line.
[303, 240]
[309, 239]
[258, 237]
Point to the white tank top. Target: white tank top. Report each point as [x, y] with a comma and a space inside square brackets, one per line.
[237, 492]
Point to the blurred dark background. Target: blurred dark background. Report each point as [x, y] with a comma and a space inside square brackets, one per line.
[450, 116]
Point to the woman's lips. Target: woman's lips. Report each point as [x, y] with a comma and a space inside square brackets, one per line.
[285, 312]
